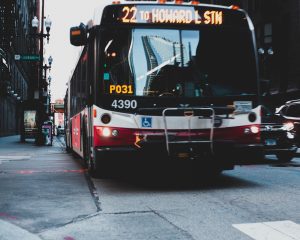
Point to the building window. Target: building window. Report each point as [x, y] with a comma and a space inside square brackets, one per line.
[268, 33]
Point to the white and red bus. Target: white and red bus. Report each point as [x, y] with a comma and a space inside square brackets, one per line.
[164, 80]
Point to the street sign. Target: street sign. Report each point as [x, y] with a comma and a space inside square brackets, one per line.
[27, 57]
[17, 57]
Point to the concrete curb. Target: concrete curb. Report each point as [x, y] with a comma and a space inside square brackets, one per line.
[10, 231]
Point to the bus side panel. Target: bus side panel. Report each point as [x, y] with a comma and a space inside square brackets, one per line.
[94, 86]
[76, 135]
[90, 128]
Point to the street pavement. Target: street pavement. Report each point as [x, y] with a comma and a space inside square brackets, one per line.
[46, 193]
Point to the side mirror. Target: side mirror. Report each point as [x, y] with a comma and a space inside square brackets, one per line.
[265, 87]
[78, 35]
[280, 110]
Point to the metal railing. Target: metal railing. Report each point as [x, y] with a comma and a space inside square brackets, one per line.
[189, 118]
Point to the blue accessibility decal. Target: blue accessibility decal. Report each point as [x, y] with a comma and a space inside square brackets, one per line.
[147, 122]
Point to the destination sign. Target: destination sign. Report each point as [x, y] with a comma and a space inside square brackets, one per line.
[169, 15]
[173, 15]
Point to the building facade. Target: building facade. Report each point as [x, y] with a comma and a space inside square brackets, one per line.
[277, 27]
[16, 77]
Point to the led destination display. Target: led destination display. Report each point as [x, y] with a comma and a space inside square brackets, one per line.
[172, 15]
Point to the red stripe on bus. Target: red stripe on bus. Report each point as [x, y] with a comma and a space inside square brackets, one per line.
[127, 137]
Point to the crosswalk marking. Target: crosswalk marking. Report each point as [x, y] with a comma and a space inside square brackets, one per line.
[280, 230]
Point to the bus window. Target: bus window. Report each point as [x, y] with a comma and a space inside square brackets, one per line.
[172, 62]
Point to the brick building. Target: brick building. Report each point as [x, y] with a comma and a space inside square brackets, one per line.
[16, 77]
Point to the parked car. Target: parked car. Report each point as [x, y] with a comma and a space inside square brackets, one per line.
[290, 111]
[278, 136]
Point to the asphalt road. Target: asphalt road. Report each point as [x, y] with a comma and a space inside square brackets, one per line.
[45, 193]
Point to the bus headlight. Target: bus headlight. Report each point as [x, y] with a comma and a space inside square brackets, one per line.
[106, 132]
[288, 126]
[254, 129]
[251, 130]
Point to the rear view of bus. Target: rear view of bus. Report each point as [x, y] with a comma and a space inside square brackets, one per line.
[164, 81]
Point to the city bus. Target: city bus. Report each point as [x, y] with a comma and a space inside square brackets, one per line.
[164, 81]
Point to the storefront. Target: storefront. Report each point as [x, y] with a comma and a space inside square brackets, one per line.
[13, 90]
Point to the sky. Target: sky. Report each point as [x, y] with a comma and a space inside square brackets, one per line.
[64, 14]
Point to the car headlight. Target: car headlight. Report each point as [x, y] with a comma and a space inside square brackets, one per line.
[288, 126]
[290, 135]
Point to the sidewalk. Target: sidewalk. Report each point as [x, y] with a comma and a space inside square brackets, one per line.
[10, 231]
[41, 187]
[12, 146]
[7, 144]
[12, 150]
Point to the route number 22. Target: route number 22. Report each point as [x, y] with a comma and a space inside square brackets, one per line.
[130, 14]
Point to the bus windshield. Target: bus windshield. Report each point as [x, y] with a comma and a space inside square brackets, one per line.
[206, 62]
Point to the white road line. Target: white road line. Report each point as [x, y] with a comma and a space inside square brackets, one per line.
[281, 230]
[12, 158]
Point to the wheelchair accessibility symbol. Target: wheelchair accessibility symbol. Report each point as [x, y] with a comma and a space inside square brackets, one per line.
[146, 122]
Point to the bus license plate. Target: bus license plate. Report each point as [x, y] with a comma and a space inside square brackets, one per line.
[183, 155]
[270, 142]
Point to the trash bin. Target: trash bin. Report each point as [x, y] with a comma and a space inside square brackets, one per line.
[47, 133]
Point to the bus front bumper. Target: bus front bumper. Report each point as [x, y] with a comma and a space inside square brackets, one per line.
[221, 154]
[225, 152]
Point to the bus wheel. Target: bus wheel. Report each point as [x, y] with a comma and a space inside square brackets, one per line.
[285, 157]
[96, 169]
[68, 149]
[90, 166]
[86, 158]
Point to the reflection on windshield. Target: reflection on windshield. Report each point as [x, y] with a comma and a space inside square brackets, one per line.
[186, 63]
[163, 52]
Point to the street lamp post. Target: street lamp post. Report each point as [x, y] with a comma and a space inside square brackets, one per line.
[44, 23]
[49, 95]
[265, 56]
[47, 67]
[46, 86]
[41, 35]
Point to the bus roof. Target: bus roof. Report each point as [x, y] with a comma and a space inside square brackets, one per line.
[104, 3]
